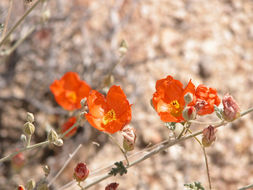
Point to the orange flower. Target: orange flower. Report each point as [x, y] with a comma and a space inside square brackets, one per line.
[110, 113]
[168, 100]
[71, 121]
[69, 91]
[206, 98]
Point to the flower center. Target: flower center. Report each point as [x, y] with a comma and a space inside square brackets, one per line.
[175, 108]
[109, 117]
[71, 96]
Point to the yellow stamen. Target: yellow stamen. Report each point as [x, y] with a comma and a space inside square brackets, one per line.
[109, 117]
[175, 108]
[72, 96]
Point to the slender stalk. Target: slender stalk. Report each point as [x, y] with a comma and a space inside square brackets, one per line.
[19, 22]
[207, 168]
[22, 150]
[28, 140]
[7, 18]
[20, 41]
[121, 149]
[205, 123]
[246, 187]
[64, 166]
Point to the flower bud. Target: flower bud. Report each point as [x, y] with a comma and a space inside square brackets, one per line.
[29, 128]
[112, 186]
[21, 187]
[46, 170]
[178, 129]
[230, 107]
[83, 102]
[23, 139]
[52, 136]
[208, 136]
[29, 117]
[58, 142]
[30, 185]
[189, 113]
[188, 98]
[200, 104]
[18, 161]
[129, 136]
[81, 172]
[123, 47]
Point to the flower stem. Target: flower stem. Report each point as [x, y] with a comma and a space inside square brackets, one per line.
[18, 23]
[22, 150]
[121, 149]
[65, 164]
[207, 168]
[28, 140]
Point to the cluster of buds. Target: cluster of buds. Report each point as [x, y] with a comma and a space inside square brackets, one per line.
[129, 138]
[112, 186]
[81, 172]
[208, 136]
[29, 128]
[54, 138]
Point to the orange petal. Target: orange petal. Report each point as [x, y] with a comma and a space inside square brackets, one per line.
[96, 103]
[94, 122]
[117, 100]
[71, 81]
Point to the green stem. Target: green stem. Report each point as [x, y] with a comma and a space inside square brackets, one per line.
[18, 23]
[121, 149]
[207, 168]
[28, 140]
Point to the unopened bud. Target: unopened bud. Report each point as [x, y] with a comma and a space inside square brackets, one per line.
[230, 107]
[46, 170]
[123, 47]
[129, 136]
[83, 102]
[29, 117]
[81, 172]
[21, 187]
[58, 142]
[200, 104]
[189, 113]
[208, 136]
[18, 161]
[178, 129]
[29, 128]
[30, 185]
[52, 136]
[112, 186]
[188, 98]
[23, 139]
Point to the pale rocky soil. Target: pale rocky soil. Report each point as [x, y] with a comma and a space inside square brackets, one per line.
[210, 42]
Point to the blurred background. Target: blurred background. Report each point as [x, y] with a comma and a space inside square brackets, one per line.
[210, 42]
